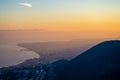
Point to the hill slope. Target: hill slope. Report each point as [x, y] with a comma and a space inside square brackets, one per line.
[102, 62]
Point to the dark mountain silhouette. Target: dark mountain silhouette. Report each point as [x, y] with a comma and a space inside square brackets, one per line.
[102, 62]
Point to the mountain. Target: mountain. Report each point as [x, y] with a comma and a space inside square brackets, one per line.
[101, 62]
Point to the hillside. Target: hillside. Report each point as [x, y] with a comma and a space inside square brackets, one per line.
[102, 62]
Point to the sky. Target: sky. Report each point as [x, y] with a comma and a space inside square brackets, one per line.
[64, 15]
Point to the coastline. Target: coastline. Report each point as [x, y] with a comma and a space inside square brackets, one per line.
[53, 51]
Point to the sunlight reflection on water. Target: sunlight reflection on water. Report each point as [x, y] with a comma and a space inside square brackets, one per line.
[11, 54]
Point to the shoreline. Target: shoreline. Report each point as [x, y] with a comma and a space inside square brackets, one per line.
[57, 50]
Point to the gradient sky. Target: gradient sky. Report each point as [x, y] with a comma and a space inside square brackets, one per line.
[70, 15]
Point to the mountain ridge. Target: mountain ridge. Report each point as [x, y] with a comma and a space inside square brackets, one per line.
[101, 62]
[93, 63]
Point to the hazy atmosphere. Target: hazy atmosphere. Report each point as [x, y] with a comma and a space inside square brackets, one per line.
[89, 18]
[52, 39]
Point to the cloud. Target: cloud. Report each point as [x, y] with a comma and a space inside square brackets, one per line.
[26, 4]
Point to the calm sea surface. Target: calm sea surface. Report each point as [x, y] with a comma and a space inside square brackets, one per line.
[11, 54]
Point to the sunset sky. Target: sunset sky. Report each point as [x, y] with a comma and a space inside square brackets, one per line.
[65, 15]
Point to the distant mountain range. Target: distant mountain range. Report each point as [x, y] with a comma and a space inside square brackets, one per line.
[101, 62]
